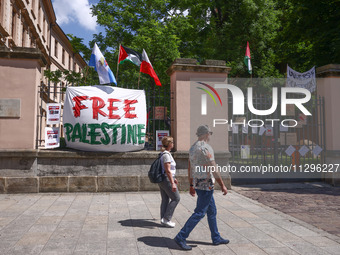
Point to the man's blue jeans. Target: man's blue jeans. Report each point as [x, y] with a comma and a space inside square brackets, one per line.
[205, 205]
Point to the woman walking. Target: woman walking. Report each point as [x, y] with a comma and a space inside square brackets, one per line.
[168, 187]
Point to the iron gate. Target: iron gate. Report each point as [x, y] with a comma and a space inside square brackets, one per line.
[268, 145]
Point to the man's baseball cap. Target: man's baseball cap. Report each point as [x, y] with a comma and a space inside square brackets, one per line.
[202, 130]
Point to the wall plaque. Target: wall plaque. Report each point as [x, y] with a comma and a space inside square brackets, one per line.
[10, 107]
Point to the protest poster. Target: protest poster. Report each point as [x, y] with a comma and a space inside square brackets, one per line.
[159, 136]
[53, 114]
[301, 80]
[288, 138]
[245, 151]
[104, 118]
[269, 130]
[52, 138]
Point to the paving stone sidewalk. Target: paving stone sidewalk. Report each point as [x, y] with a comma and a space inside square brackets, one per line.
[315, 203]
[128, 223]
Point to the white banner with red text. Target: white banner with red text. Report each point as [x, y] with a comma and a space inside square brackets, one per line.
[104, 118]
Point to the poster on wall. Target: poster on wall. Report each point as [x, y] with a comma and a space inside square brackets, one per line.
[52, 138]
[53, 114]
[159, 136]
[104, 118]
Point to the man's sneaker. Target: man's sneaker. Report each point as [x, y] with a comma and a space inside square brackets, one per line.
[182, 244]
[221, 241]
[167, 223]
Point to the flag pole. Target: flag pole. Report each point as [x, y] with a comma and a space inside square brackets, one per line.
[138, 79]
[118, 63]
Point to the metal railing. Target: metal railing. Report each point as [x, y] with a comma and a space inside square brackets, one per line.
[270, 147]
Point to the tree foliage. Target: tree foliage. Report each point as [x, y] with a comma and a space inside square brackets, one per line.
[301, 33]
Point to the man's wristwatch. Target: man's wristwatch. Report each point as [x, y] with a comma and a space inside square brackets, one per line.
[191, 185]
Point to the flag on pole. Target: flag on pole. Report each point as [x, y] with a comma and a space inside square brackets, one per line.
[127, 54]
[147, 68]
[247, 59]
[99, 63]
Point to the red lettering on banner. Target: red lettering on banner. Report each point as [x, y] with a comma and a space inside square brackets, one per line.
[76, 109]
[113, 108]
[97, 104]
[128, 108]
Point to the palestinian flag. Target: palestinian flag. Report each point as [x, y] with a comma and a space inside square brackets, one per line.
[127, 54]
[247, 59]
[147, 68]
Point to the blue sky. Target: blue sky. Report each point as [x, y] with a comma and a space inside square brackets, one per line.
[75, 17]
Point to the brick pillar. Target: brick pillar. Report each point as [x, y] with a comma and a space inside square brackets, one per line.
[328, 86]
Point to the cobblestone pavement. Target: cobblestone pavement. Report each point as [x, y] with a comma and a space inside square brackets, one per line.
[315, 203]
[128, 223]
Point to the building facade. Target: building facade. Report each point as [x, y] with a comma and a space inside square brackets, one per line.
[30, 42]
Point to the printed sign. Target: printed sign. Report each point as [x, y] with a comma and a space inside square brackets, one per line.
[159, 136]
[290, 150]
[160, 112]
[245, 129]
[269, 131]
[304, 150]
[283, 128]
[317, 150]
[52, 139]
[245, 151]
[53, 114]
[262, 130]
[301, 80]
[302, 119]
[104, 118]
[290, 110]
[288, 138]
[235, 129]
[254, 130]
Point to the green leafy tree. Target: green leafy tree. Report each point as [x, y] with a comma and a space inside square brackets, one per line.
[142, 24]
[310, 33]
[301, 33]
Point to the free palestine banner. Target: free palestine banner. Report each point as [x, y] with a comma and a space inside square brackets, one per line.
[104, 118]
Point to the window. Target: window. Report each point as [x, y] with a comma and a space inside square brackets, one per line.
[14, 24]
[62, 91]
[39, 16]
[1, 17]
[32, 42]
[63, 57]
[69, 62]
[24, 35]
[56, 48]
[44, 27]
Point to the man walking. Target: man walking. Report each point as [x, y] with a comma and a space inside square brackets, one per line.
[201, 156]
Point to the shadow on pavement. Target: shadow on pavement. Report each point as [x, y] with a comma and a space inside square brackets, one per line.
[158, 241]
[198, 243]
[142, 223]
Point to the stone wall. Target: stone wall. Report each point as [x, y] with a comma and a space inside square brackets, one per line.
[32, 171]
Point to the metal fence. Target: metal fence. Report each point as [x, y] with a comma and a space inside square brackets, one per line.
[157, 101]
[268, 145]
